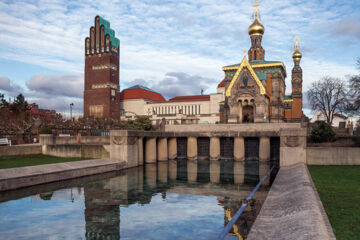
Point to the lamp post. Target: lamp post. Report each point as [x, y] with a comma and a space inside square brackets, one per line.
[71, 106]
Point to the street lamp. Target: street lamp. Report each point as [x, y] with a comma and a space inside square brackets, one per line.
[71, 106]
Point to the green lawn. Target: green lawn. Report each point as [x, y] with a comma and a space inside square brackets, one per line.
[339, 190]
[31, 160]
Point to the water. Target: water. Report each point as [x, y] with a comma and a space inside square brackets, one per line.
[169, 200]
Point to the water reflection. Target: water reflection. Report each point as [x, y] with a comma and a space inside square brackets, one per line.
[169, 200]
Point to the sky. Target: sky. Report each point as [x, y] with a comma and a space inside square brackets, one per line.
[174, 47]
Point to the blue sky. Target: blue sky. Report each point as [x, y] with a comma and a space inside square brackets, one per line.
[175, 47]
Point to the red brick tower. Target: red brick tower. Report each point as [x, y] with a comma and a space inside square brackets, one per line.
[101, 90]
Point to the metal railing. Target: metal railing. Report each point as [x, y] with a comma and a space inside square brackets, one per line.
[230, 224]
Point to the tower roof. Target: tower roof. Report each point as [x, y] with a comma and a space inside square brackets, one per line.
[256, 28]
[107, 30]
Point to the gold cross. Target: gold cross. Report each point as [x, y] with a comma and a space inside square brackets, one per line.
[297, 39]
[255, 6]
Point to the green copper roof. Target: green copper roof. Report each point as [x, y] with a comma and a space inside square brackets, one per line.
[141, 87]
[107, 30]
[255, 63]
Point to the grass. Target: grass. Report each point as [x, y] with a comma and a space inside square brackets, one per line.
[339, 190]
[32, 160]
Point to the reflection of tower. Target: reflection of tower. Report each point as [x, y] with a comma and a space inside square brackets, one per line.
[102, 213]
[296, 82]
[256, 31]
[101, 95]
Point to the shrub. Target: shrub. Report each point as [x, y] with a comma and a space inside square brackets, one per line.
[140, 123]
[323, 132]
[45, 130]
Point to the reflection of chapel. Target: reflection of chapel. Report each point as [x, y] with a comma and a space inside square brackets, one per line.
[255, 88]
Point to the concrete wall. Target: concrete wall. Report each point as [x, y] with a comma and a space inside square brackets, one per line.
[20, 150]
[83, 140]
[333, 156]
[254, 127]
[71, 150]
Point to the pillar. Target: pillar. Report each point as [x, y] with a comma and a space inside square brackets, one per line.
[141, 151]
[150, 175]
[239, 149]
[214, 148]
[162, 149]
[172, 169]
[150, 150]
[214, 171]
[264, 167]
[192, 169]
[172, 148]
[163, 171]
[264, 149]
[192, 150]
[239, 172]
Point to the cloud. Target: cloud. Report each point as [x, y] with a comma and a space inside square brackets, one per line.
[349, 26]
[45, 85]
[9, 86]
[177, 84]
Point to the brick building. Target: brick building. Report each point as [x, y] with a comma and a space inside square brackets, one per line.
[101, 89]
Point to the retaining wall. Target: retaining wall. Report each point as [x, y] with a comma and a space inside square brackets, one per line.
[20, 150]
[333, 156]
[77, 150]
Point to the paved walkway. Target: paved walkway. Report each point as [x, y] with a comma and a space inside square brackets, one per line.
[13, 178]
[292, 209]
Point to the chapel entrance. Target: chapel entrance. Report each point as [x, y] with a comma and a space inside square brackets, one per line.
[248, 114]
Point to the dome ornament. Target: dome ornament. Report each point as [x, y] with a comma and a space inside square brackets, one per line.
[256, 13]
[297, 54]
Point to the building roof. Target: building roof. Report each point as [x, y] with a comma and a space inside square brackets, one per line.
[107, 30]
[222, 83]
[141, 92]
[193, 98]
[256, 62]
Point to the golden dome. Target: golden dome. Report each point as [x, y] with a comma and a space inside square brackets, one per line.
[256, 28]
[297, 55]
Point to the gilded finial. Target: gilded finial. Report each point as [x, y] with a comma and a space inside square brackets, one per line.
[297, 39]
[244, 51]
[297, 54]
[256, 13]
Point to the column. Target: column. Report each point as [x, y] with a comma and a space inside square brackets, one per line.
[150, 175]
[192, 148]
[264, 167]
[172, 169]
[150, 150]
[172, 148]
[162, 149]
[141, 151]
[264, 149]
[239, 172]
[239, 149]
[214, 148]
[192, 169]
[163, 172]
[214, 171]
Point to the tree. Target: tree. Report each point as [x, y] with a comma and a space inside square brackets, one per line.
[3, 102]
[354, 94]
[140, 123]
[328, 95]
[19, 104]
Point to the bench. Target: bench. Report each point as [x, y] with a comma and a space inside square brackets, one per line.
[5, 141]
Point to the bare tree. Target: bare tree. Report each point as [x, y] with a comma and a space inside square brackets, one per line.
[354, 94]
[328, 95]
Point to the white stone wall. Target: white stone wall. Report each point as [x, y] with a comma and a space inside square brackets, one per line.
[175, 112]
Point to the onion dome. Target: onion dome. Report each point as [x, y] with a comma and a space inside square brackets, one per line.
[297, 55]
[256, 28]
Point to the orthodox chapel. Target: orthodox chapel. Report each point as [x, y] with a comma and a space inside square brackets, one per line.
[251, 91]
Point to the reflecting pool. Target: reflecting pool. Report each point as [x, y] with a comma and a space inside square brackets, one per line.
[169, 200]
